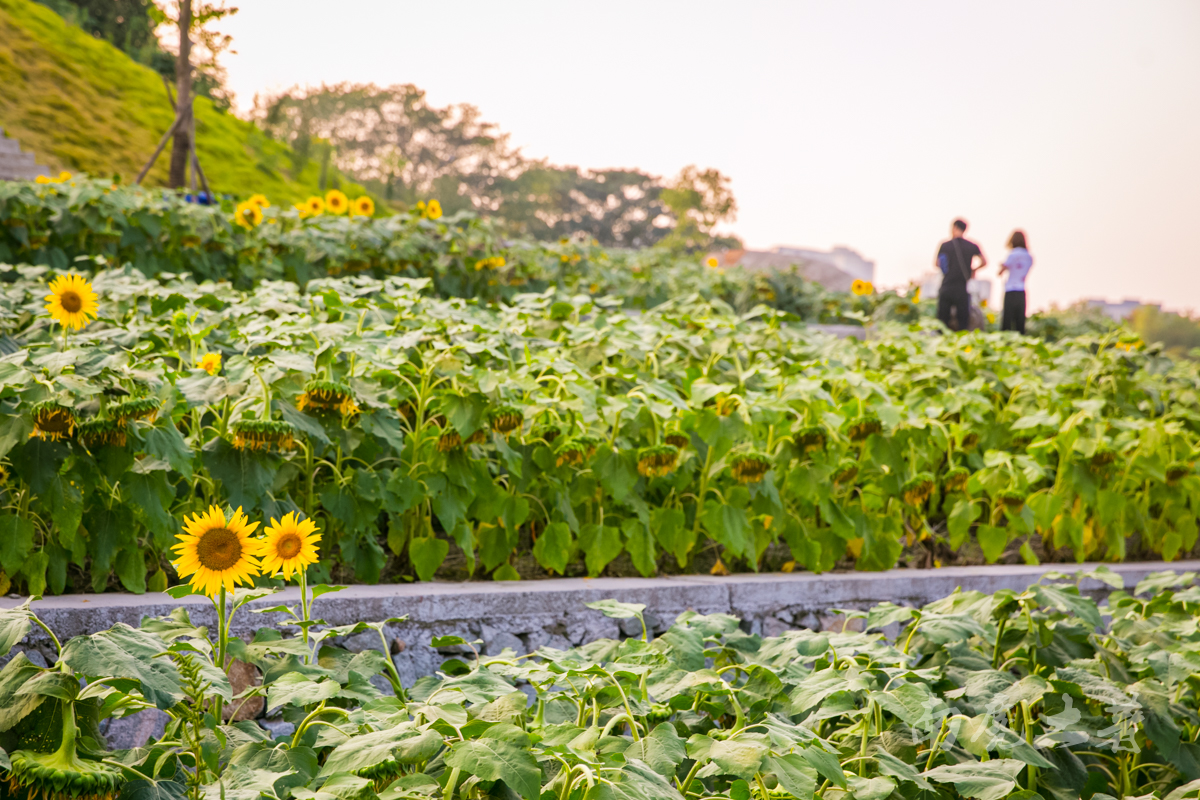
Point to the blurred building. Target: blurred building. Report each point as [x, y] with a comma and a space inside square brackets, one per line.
[1121, 310]
[836, 270]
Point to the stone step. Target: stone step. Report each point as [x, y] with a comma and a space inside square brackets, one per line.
[16, 165]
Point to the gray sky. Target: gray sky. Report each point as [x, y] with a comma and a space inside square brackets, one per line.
[867, 124]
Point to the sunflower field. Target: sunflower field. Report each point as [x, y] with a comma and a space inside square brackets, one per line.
[60, 221]
[563, 435]
[1032, 695]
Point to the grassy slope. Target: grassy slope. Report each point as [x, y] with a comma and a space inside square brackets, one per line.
[82, 105]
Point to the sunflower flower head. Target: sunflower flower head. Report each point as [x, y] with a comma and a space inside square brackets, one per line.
[862, 427]
[811, 439]
[505, 419]
[138, 408]
[862, 288]
[449, 440]
[433, 210]
[846, 472]
[288, 546]
[364, 206]
[677, 438]
[657, 460]
[1177, 471]
[99, 432]
[263, 434]
[210, 363]
[259, 200]
[571, 452]
[315, 206]
[726, 404]
[749, 467]
[956, 480]
[336, 202]
[53, 421]
[712, 262]
[248, 215]
[1012, 499]
[71, 301]
[916, 491]
[216, 552]
[327, 397]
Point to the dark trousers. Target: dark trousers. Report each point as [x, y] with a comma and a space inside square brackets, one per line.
[1014, 312]
[954, 297]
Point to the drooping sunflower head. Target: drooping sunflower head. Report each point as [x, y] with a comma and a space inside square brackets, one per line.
[289, 545]
[726, 404]
[571, 452]
[336, 202]
[1177, 471]
[215, 551]
[137, 408]
[248, 215]
[1011, 499]
[846, 472]
[956, 480]
[916, 491]
[259, 200]
[327, 397]
[1103, 457]
[477, 437]
[61, 775]
[657, 460]
[505, 419]
[263, 434]
[449, 440]
[210, 363]
[860, 428]
[589, 443]
[53, 421]
[99, 432]
[314, 206]
[676, 437]
[433, 209]
[364, 206]
[811, 439]
[969, 440]
[749, 467]
[71, 301]
[547, 433]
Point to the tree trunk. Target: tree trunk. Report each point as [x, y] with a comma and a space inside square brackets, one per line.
[182, 145]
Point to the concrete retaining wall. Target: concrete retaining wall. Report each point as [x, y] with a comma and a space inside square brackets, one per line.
[530, 614]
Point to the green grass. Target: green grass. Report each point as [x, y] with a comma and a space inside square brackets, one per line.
[82, 105]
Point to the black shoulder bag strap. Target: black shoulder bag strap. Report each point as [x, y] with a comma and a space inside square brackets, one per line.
[966, 271]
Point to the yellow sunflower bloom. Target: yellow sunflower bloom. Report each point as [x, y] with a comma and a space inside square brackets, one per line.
[302, 208]
[259, 200]
[289, 545]
[917, 296]
[43, 179]
[712, 262]
[364, 207]
[64, 176]
[862, 288]
[210, 363]
[71, 301]
[315, 205]
[336, 202]
[216, 552]
[433, 209]
[248, 215]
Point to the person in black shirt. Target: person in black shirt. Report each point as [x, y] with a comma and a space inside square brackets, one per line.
[955, 258]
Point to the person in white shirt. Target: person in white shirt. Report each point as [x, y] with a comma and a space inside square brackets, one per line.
[1017, 265]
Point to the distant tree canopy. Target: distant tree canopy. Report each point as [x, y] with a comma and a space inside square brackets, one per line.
[1178, 333]
[400, 146]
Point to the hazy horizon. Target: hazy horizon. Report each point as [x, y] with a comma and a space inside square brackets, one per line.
[853, 123]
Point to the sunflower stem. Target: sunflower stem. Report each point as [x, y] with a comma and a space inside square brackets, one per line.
[304, 612]
[222, 640]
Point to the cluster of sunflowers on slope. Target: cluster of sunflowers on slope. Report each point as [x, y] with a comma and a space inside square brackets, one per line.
[250, 214]
[218, 552]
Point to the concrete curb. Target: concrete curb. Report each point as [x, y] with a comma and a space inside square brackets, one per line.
[530, 614]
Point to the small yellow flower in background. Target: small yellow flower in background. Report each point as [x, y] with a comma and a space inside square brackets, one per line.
[991, 318]
[289, 545]
[712, 262]
[43, 179]
[315, 206]
[248, 215]
[336, 202]
[259, 200]
[861, 287]
[216, 552]
[210, 363]
[719, 568]
[433, 209]
[790, 566]
[917, 296]
[364, 206]
[71, 301]
[983, 303]
[64, 176]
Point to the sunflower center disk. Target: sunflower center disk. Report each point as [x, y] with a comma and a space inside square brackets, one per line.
[71, 301]
[288, 546]
[219, 549]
